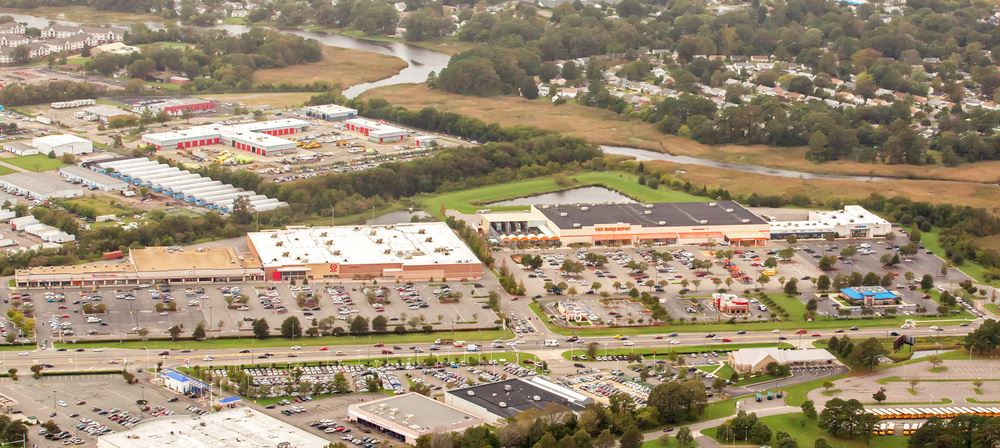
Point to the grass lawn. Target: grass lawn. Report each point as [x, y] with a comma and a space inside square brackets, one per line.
[165, 44]
[993, 309]
[719, 409]
[795, 395]
[795, 308]
[671, 443]
[102, 205]
[5, 170]
[252, 99]
[470, 200]
[36, 162]
[932, 241]
[339, 65]
[806, 431]
[251, 343]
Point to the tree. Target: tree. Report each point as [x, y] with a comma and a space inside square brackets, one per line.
[199, 331]
[809, 409]
[821, 443]
[865, 355]
[13, 373]
[291, 328]
[36, 371]
[340, 384]
[827, 384]
[51, 427]
[826, 263]
[243, 211]
[572, 267]
[926, 282]
[846, 418]
[792, 287]
[359, 325]
[261, 330]
[760, 433]
[784, 440]
[684, 438]
[631, 438]
[770, 262]
[879, 395]
[174, 332]
[786, 253]
[823, 282]
[379, 323]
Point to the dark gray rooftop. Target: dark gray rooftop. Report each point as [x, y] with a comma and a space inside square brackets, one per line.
[520, 397]
[662, 214]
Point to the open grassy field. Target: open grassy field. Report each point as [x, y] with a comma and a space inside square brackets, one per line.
[931, 240]
[468, 201]
[605, 127]
[338, 66]
[36, 162]
[593, 124]
[5, 170]
[102, 205]
[273, 99]
[806, 431]
[83, 14]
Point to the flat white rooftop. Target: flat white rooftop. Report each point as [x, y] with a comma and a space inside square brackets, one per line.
[829, 220]
[231, 428]
[406, 244]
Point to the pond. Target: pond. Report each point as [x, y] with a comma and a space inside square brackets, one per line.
[582, 195]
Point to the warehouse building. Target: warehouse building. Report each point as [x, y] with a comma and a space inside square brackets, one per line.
[238, 427]
[755, 360]
[92, 179]
[20, 148]
[175, 107]
[376, 131]
[496, 402]
[853, 221]
[412, 251]
[40, 186]
[625, 224]
[171, 265]
[63, 144]
[407, 417]
[330, 112]
[262, 137]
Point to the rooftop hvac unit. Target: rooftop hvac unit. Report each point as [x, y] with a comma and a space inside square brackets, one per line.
[712, 204]
[536, 398]
[647, 212]
[471, 393]
[745, 220]
[563, 214]
[576, 225]
[729, 210]
[502, 404]
[662, 223]
[584, 208]
[647, 205]
[507, 387]
[703, 221]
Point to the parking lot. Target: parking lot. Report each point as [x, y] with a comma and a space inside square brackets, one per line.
[458, 306]
[95, 403]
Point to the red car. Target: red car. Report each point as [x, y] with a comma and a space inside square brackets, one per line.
[817, 335]
[380, 345]
[727, 340]
[323, 349]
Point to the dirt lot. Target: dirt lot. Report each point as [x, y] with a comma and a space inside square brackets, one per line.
[339, 65]
[601, 126]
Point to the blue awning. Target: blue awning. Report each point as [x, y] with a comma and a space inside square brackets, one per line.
[230, 400]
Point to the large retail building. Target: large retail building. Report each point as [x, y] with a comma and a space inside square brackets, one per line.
[407, 417]
[412, 251]
[624, 224]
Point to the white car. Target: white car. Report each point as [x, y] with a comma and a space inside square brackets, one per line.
[208, 358]
[98, 350]
[296, 347]
[164, 313]
[675, 342]
[628, 343]
[62, 403]
[775, 331]
[22, 354]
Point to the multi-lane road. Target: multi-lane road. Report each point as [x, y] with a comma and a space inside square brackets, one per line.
[89, 359]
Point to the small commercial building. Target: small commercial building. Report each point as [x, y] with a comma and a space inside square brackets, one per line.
[331, 112]
[262, 137]
[376, 131]
[869, 296]
[238, 427]
[628, 224]
[104, 114]
[407, 417]
[182, 384]
[755, 360]
[19, 148]
[853, 221]
[171, 265]
[39, 186]
[730, 303]
[63, 144]
[497, 402]
[411, 251]
[175, 107]
[92, 179]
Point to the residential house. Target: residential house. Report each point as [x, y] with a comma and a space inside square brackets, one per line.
[12, 28]
[13, 40]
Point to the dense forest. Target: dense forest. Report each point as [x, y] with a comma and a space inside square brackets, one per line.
[826, 37]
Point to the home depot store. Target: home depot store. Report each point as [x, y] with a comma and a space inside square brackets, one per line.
[417, 251]
[626, 224]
